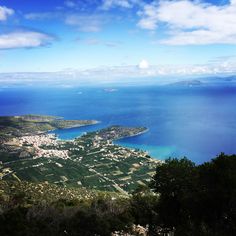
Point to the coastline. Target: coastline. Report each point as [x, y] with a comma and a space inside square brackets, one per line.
[133, 135]
[98, 122]
[95, 122]
[114, 141]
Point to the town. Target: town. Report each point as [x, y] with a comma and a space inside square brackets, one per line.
[91, 161]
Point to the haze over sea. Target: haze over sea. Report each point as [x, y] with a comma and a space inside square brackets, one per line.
[197, 122]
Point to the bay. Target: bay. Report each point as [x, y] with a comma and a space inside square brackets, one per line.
[198, 122]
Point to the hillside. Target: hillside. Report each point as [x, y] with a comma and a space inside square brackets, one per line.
[44, 192]
[16, 126]
[90, 161]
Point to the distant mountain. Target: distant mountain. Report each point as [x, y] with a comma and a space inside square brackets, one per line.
[214, 80]
[220, 79]
[188, 83]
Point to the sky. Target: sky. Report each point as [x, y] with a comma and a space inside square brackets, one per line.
[118, 37]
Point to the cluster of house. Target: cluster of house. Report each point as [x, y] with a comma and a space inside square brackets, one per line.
[44, 140]
[38, 140]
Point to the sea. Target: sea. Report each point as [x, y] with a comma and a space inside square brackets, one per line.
[198, 122]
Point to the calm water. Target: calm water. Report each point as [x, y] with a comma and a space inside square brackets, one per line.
[197, 122]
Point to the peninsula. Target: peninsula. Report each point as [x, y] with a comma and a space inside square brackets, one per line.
[16, 126]
[29, 153]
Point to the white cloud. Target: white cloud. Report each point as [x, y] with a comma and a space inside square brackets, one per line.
[5, 12]
[92, 41]
[85, 23]
[143, 64]
[191, 22]
[107, 4]
[120, 74]
[70, 3]
[41, 15]
[23, 39]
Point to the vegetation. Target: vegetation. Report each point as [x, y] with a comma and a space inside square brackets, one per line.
[13, 126]
[92, 161]
[33, 193]
[197, 200]
[184, 199]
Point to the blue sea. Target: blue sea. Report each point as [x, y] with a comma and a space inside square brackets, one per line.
[198, 122]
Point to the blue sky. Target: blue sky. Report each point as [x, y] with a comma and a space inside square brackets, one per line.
[134, 37]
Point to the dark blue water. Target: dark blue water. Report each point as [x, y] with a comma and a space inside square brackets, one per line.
[197, 122]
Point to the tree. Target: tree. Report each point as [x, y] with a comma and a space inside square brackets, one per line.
[174, 181]
[217, 195]
[143, 207]
[198, 200]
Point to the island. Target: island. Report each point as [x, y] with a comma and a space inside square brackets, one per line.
[187, 83]
[29, 153]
